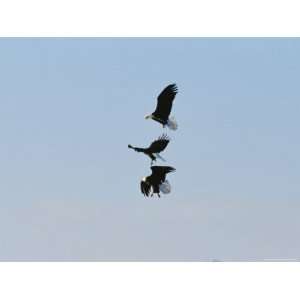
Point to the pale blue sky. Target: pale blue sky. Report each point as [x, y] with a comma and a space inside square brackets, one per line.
[70, 185]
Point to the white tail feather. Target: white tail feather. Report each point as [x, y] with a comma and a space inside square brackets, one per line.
[158, 156]
[165, 187]
[172, 124]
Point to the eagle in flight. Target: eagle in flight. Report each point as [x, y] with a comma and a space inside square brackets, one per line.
[155, 148]
[156, 182]
[164, 107]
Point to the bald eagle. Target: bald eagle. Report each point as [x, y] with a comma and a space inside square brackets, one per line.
[155, 148]
[156, 182]
[164, 106]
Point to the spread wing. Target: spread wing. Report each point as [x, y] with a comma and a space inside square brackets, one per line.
[160, 144]
[160, 172]
[165, 101]
[145, 188]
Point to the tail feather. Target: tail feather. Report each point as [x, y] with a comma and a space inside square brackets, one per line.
[165, 187]
[172, 123]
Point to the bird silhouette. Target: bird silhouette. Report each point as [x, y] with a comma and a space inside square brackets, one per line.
[155, 148]
[155, 180]
[164, 107]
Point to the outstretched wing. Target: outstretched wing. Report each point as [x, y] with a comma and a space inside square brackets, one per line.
[160, 172]
[165, 101]
[145, 188]
[160, 144]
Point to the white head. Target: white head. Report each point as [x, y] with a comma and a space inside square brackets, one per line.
[144, 179]
[148, 117]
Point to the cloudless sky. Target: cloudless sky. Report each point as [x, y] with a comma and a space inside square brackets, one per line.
[70, 186]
